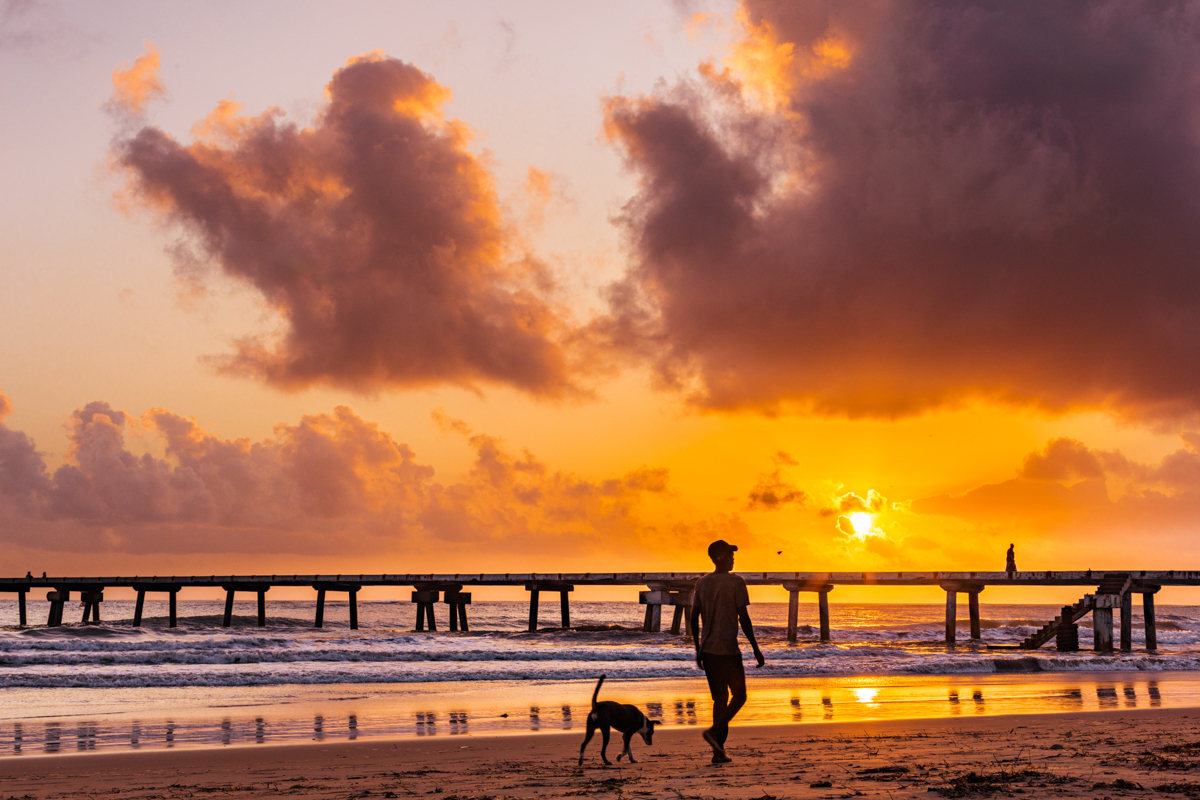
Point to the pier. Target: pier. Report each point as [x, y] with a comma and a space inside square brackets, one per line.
[1110, 590]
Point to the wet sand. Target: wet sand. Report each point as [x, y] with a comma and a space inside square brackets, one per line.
[44, 721]
[1136, 753]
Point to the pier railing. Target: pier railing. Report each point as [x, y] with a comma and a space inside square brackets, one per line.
[1114, 589]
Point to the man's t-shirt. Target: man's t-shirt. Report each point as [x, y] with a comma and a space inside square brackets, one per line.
[720, 595]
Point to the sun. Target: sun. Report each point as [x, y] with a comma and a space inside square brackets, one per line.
[862, 522]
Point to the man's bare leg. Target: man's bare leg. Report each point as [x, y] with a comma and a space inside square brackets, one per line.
[718, 685]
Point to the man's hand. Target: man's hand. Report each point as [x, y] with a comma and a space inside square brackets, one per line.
[699, 660]
[758, 656]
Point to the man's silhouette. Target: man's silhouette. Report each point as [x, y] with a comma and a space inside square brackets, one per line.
[717, 611]
[1010, 563]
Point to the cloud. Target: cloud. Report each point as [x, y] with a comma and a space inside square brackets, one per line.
[374, 233]
[772, 491]
[330, 484]
[850, 503]
[1068, 494]
[136, 84]
[540, 189]
[448, 424]
[23, 481]
[879, 209]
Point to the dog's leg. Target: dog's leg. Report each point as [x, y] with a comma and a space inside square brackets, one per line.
[628, 737]
[604, 747]
[591, 729]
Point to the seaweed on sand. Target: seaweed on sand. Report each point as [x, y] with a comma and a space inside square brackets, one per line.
[982, 784]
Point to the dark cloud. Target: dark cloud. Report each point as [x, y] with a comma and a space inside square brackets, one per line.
[905, 205]
[331, 484]
[23, 481]
[773, 491]
[375, 234]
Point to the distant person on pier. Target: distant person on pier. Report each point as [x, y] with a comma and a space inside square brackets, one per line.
[717, 611]
[1010, 565]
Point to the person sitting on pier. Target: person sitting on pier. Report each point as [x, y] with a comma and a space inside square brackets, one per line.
[1010, 565]
[719, 606]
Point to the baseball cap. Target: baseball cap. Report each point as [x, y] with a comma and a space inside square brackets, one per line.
[720, 547]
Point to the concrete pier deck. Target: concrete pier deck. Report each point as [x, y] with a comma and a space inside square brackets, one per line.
[1113, 590]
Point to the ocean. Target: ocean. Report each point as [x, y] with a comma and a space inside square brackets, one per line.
[115, 686]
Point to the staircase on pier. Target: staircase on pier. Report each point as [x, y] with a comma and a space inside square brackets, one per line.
[1109, 594]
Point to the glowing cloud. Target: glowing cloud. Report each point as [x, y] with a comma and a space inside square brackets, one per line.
[136, 84]
[375, 234]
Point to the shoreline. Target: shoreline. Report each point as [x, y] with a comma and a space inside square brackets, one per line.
[1077, 754]
[779, 730]
[162, 721]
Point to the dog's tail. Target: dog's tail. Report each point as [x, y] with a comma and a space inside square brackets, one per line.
[596, 693]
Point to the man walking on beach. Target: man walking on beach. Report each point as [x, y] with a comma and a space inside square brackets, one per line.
[720, 602]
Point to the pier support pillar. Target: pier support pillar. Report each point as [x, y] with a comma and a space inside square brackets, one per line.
[658, 596]
[21, 607]
[564, 602]
[823, 610]
[425, 598]
[91, 606]
[681, 620]
[142, 589]
[652, 623]
[972, 590]
[233, 589]
[973, 605]
[793, 614]
[1102, 625]
[457, 602]
[951, 616]
[1148, 615]
[57, 599]
[351, 590]
[1127, 622]
[793, 589]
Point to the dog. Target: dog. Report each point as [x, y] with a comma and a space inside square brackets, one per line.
[625, 718]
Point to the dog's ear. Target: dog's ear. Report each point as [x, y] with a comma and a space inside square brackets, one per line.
[654, 722]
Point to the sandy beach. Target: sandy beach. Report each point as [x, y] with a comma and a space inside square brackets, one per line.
[1153, 752]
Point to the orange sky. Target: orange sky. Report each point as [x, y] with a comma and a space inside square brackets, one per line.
[479, 299]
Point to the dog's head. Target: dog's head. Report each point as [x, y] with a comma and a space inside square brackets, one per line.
[647, 730]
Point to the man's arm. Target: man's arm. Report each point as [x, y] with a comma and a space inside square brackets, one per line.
[748, 629]
[695, 614]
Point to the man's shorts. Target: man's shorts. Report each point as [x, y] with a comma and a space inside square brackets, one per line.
[724, 673]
